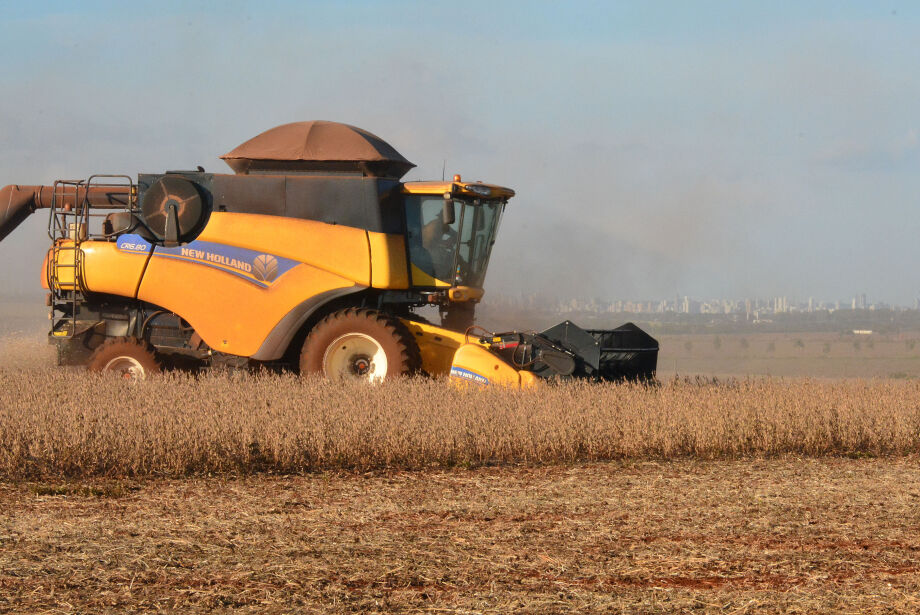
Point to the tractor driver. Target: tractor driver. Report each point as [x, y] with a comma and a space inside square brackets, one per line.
[440, 241]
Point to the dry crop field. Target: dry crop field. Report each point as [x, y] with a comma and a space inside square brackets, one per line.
[268, 493]
[69, 423]
[817, 355]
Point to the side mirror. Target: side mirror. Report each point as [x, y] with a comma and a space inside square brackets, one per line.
[448, 212]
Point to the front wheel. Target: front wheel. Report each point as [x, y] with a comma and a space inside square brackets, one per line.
[125, 357]
[361, 344]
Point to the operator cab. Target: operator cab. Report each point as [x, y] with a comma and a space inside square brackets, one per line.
[450, 230]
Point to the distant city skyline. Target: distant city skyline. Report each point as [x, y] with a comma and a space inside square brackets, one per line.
[684, 304]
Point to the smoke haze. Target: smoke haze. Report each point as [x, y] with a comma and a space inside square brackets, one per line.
[656, 149]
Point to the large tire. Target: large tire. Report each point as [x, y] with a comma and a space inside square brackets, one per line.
[358, 343]
[126, 357]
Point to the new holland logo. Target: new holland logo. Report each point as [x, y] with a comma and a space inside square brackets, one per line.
[255, 267]
[265, 267]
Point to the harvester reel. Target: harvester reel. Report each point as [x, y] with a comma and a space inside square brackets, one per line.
[173, 209]
[361, 344]
[126, 357]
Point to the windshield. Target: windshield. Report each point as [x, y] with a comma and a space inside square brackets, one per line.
[454, 254]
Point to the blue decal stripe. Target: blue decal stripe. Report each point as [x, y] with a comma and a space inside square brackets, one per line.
[235, 272]
[133, 244]
[465, 374]
[259, 268]
[210, 264]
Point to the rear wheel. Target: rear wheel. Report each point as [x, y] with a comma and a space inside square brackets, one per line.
[126, 357]
[361, 344]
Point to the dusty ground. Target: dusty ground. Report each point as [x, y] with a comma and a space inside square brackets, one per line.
[831, 535]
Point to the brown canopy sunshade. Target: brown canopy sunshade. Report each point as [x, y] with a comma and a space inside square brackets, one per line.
[318, 146]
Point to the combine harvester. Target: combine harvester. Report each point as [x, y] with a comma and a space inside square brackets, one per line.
[313, 254]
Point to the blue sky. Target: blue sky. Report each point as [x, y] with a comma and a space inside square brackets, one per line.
[701, 148]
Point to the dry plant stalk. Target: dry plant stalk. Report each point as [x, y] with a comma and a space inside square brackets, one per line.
[56, 423]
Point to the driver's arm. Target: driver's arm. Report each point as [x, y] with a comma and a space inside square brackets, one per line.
[434, 232]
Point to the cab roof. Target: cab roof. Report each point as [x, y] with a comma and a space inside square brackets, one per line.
[459, 188]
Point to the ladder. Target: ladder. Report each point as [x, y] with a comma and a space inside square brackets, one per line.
[72, 221]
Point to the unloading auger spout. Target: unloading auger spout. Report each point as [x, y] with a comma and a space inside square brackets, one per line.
[18, 202]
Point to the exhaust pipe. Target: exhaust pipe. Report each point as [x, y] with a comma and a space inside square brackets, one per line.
[18, 202]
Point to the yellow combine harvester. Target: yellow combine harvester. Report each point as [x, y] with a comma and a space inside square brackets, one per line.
[313, 254]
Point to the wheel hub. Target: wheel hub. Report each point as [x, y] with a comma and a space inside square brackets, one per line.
[128, 368]
[355, 355]
[362, 366]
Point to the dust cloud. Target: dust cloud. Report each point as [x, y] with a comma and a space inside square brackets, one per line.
[24, 335]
